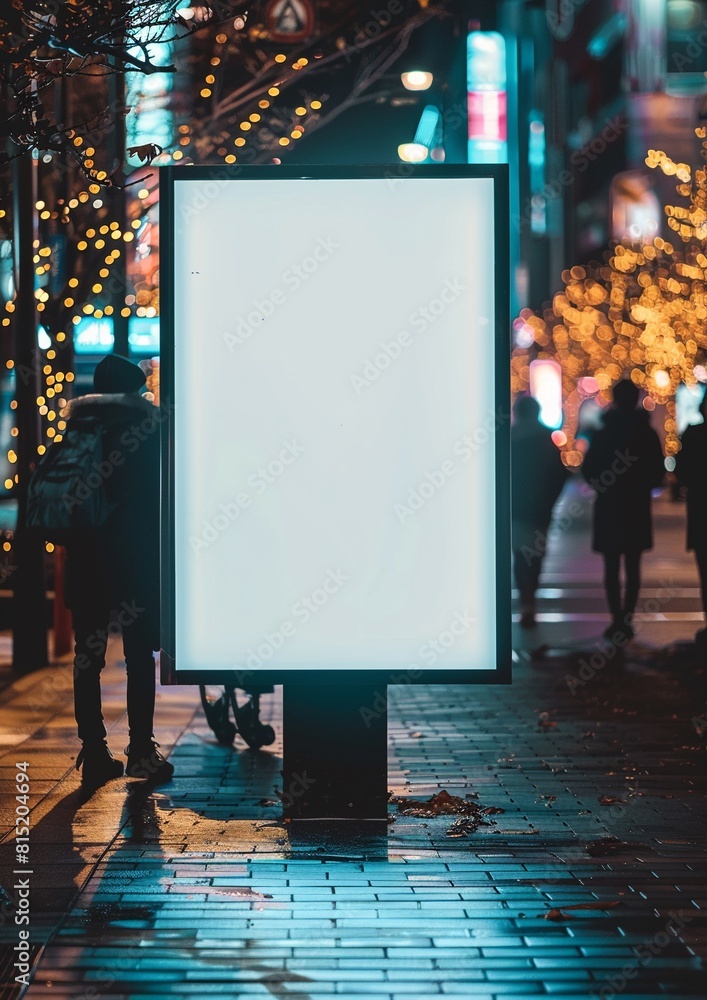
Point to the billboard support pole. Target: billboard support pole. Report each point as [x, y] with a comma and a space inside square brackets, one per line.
[335, 751]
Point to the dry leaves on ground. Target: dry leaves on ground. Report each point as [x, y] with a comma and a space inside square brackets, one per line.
[471, 814]
[558, 912]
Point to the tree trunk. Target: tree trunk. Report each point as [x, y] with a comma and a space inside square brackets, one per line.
[29, 647]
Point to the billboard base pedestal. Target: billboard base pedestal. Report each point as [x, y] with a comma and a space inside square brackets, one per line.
[338, 839]
[335, 751]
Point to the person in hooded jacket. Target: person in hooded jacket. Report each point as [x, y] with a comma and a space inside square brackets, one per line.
[537, 478]
[691, 470]
[117, 573]
[624, 464]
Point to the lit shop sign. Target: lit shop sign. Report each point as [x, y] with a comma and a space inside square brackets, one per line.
[486, 86]
[144, 334]
[335, 371]
[546, 387]
[93, 336]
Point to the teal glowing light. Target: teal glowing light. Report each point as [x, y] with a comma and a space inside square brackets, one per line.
[486, 86]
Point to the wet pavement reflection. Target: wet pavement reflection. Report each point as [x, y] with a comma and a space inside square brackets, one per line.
[585, 878]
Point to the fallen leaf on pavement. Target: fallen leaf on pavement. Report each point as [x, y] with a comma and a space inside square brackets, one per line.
[612, 845]
[238, 890]
[545, 722]
[441, 804]
[558, 912]
[465, 825]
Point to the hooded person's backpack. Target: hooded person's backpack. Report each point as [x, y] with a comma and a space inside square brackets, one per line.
[67, 497]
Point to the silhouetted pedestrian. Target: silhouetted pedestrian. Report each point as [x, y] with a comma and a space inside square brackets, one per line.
[118, 571]
[691, 470]
[624, 464]
[537, 478]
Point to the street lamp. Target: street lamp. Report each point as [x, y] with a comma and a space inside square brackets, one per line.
[413, 152]
[416, 80]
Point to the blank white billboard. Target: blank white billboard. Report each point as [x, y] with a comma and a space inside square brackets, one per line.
[335, 423]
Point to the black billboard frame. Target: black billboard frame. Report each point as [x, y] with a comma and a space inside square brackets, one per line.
[499, 174]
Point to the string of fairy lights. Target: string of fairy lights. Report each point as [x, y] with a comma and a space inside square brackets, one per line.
[641, 313]
[246, 126]
[110, 239]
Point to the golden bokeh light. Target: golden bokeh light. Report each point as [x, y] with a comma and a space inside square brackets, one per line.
[640, 313]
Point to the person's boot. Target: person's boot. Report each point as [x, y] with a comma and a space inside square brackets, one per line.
[146, 762]
[611, 630]
[99, 764]
[621, 631]
[627, 625]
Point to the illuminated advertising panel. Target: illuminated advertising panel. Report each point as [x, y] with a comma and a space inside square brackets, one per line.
[335, 379]
[486, 97]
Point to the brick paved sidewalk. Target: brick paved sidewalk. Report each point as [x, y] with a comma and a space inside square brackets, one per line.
[199, 889]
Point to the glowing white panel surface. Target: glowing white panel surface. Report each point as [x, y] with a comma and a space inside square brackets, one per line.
[334, 424]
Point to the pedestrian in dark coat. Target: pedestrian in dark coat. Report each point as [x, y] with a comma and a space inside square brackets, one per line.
[624, 464]
[537, 478]
[691, 470]
[117, 572]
